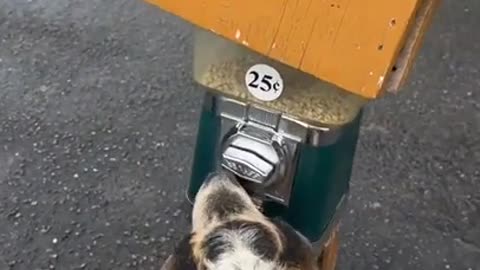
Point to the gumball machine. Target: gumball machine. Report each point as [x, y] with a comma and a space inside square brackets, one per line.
[284, 96]
[287, 135]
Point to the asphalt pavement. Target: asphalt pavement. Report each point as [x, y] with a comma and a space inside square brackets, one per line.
[98, 116]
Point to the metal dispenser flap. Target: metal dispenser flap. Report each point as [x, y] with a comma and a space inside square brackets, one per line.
[251, 154]
[247, 165]
[266, 150]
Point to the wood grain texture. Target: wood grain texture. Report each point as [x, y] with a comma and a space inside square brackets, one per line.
[351, 43]
[329, 256]
[412, 46]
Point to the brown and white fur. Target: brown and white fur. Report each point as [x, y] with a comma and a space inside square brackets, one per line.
[230, 233]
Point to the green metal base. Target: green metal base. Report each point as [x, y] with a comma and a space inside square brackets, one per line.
[205, 156]
[321, 182]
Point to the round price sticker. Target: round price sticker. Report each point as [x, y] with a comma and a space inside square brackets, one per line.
[264, 82]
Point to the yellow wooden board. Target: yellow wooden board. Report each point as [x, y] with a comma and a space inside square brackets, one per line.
[353, 44]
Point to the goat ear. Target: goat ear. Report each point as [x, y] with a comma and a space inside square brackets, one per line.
[297, 252]
[182, 258]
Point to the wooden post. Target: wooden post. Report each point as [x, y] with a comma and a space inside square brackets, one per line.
[328, 256]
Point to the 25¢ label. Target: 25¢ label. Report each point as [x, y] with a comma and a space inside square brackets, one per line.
[264, 82]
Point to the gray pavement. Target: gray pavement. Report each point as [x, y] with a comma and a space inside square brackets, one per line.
[97, 122]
